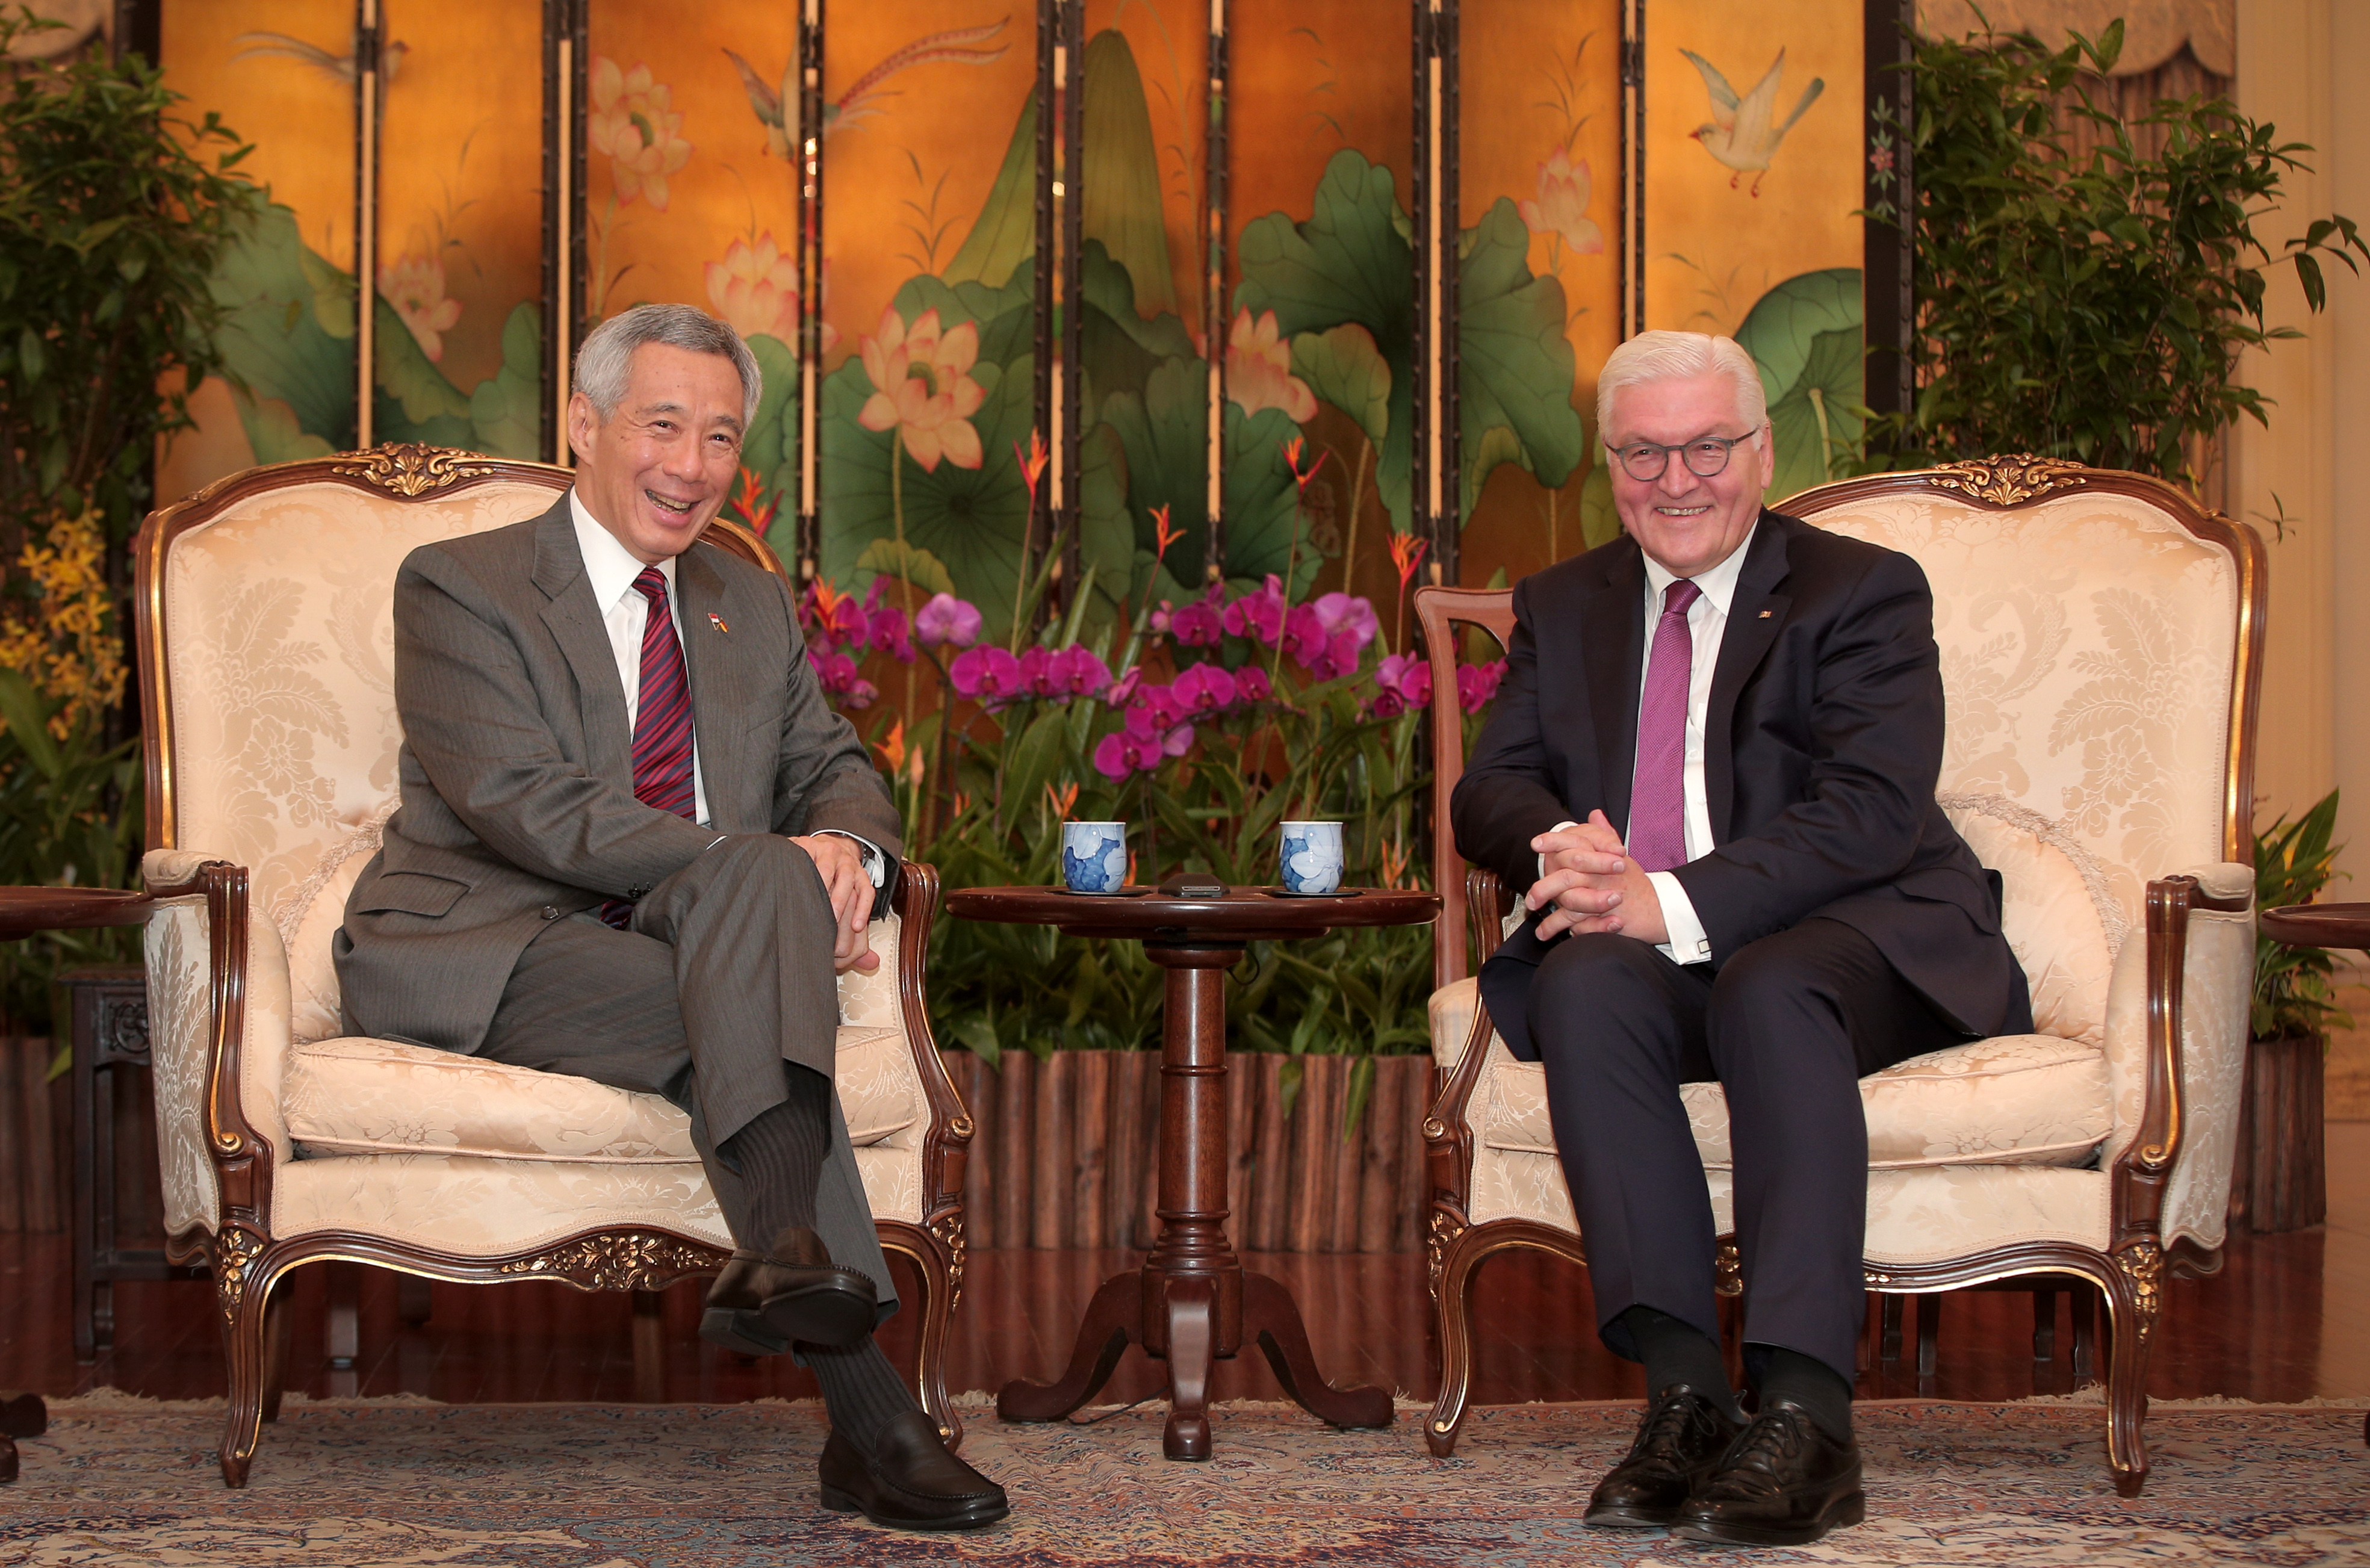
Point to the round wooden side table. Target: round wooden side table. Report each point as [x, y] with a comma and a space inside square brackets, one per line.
[1192, 1302]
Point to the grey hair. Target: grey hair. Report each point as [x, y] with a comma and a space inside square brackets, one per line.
[1671, 356]
[604, 364]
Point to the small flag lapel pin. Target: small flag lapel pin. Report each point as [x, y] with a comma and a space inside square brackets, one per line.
[717, 621]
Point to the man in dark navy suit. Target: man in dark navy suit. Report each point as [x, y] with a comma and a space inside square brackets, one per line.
[1711, 771]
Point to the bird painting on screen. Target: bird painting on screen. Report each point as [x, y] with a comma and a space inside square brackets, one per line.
[340, 67]
[961, 46]
[1743, 132]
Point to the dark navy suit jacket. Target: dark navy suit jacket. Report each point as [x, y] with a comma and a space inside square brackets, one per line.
[1823, 745]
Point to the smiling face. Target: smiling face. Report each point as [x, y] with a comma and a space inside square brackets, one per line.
[1687, 524]
[656, 472]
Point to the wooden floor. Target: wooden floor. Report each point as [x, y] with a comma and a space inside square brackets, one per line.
[2283, 1321]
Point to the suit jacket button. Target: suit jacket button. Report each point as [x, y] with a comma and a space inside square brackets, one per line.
[551, 911]
[638, 893]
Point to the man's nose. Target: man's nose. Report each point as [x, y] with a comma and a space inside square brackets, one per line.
[1676, 479]
[683, 461]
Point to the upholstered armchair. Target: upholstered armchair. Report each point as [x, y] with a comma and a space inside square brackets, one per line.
[264, 614]
[2102, 643]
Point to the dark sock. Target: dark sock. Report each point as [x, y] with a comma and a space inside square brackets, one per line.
[861, 1391]
[1676, 1351]
[1808, 1381]
[779, 1156]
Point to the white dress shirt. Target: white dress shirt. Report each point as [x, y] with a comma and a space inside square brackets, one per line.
[610, 569]
[1707, 623]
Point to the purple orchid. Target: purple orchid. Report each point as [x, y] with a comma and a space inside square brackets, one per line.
[946, 620]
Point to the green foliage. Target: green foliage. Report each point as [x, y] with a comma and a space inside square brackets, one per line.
[2089, 306]
[113, 211]
[1515, 364]
[69, 816]
[1804, 335]
[2294, 861]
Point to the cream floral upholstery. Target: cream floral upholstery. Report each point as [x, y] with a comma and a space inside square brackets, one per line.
[284, 737]
[266, 643]
[2093, 640]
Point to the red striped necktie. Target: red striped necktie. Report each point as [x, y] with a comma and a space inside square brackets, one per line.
[661, 723]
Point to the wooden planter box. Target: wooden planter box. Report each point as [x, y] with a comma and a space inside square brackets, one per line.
[2279, 1179]
[1066, 1152]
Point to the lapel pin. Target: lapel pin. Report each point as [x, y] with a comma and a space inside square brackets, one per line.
[1765, 615]
[718, 621]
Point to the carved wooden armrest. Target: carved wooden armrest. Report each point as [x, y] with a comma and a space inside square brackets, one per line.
[26, 910]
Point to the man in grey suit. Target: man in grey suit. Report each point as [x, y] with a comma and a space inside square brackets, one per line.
[635, 846]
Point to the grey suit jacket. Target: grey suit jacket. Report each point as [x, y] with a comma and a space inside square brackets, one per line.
[517, 773]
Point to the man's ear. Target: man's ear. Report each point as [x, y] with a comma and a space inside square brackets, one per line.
[581, 423]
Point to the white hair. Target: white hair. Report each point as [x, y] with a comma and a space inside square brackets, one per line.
[604, 364]
[1671, 357]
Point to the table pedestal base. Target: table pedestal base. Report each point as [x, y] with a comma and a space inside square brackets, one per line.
[1192, 1303]
[1129, 1307]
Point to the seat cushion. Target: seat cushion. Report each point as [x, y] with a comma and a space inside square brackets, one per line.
[2016, 1099]
[352, 1096]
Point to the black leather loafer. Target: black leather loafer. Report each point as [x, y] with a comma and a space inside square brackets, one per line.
[909, 1482]
[764, 1300]
[1783, 1482]
[1681, 1439]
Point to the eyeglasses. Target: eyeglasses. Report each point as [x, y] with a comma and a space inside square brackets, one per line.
[1705, 457]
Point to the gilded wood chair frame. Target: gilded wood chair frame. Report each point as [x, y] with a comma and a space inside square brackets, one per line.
[249, 1263]
[2130, 1273]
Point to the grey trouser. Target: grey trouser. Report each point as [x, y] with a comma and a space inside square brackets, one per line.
[725, 976]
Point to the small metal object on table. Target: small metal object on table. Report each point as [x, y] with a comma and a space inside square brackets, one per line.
[1192, 1302]
[25, 911]
[2321, 926]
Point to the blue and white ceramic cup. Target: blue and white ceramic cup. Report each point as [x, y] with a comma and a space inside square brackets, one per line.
[1312, 857]
[1094, 856]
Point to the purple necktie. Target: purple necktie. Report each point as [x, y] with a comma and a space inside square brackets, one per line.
[661, 723]
[1658, 795]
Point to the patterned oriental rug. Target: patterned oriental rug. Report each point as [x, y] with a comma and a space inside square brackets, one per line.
[404, 1484]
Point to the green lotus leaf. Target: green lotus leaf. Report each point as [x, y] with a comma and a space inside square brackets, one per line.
[505, 411]
[1342, 367]
[911, 562]
[1166, 444]
[1119, 350]
[273, 432]
[274, 341]
[1805, 336]
[1600, 524]
[1004, 235]
[414, 401]
[1350, 261]
[1120, 173]
[771, 448]
[1516, 363]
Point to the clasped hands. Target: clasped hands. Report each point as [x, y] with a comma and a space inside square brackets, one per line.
[1594, 885]
[841, 865]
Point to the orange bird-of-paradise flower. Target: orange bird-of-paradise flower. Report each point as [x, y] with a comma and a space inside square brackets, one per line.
[1407, 554]
[752, 505]
[1033, 462]
[1163, 535]
[1063, 800]
[1291, 456]
[892, 750]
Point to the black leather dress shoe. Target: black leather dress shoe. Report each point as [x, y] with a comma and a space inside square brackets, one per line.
[1683, 1435]
[1783, 1482]
[909, 1482]
[764, 1300]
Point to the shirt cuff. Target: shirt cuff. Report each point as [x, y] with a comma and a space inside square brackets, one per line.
[1687, 942]
[1557, 828]
[876, 862]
